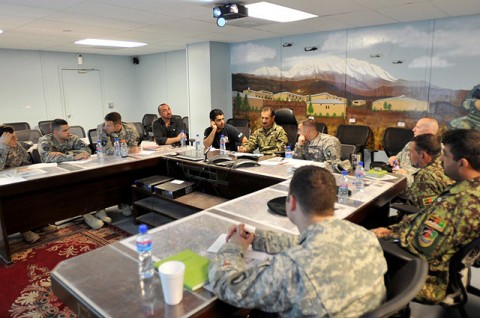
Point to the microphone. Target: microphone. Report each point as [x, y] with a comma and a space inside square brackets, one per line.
[206, 153]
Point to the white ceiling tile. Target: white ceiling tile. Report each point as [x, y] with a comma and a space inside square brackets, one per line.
[452, 8]
[413, 12]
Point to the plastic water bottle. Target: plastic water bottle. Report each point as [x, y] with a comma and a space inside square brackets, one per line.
[343, 188]
[99, 151]
[124, 149]
[360, 177]
[116, 147]
[288, 153]
[183, 141]
[144, 249]
[197, 144]
[223, 147]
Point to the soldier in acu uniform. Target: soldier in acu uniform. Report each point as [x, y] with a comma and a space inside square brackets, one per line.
[60, 145]
[451, 221]
[112, 128]
[313, 145]
[334, 268]
[268, 139]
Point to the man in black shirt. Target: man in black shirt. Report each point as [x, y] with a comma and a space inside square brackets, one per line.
[166, 130]
[233, 138]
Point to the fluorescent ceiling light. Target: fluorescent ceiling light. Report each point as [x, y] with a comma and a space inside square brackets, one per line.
[112, 43]
[1, 31]
[273, 12]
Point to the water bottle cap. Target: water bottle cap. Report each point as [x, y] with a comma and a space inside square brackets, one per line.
[288, 148]
[183, 131]
[197, 135]
[222, 136]
[142, 229]
[344, 172]
[98, 141]
[361, 163]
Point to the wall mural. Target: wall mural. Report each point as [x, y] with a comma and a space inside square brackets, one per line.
[380, 76]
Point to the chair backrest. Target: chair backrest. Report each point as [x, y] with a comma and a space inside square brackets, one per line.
[394, 139]
[245, 130]
[353, 135]
[346, 151]
[148, 120]
[238, 122]
[286, 118]
[35, 155]
[405, 278]
[140, 129]
[19, 125]
[321, 127]
[185, 122]
[92, 138]
[78, 131]
[28, 135]
[45, 126]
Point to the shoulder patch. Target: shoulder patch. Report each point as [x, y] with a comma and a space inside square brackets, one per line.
[427, 236]
[436, 223]
[428, 201]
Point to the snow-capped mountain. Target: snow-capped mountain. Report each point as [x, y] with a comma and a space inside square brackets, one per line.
[314, 67]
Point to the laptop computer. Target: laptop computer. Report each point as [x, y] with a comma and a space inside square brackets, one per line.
[191, 155]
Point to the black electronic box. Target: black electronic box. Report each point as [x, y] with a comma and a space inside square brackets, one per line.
[149, 183]
[174, 189]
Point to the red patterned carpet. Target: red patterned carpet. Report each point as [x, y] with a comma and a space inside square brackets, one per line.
[25, 285]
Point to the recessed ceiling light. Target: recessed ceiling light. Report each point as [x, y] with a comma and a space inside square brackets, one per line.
[273, 12]
[111, 43]
[1, 31]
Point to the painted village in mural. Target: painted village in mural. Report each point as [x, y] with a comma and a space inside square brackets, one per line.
[381, 76]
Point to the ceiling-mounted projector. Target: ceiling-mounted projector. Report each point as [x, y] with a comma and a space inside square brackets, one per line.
[229, 11]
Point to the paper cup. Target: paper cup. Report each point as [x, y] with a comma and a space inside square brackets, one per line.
[171, 276]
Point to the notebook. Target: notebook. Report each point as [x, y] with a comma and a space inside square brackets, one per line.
[191, 155]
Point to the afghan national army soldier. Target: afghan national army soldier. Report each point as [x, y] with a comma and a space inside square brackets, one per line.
[313, 145]
[60, 145]
[333, 269]
[269, 139]
[451, 221]
[115, 128]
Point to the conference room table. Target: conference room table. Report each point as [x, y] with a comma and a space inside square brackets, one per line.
[115, 290]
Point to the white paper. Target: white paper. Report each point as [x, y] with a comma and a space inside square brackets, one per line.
[9, 180]
[177, 181]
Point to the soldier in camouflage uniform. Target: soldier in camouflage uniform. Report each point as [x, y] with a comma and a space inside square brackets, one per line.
[60, 145]
[423, 126]
[472, 104]
[451, 221]
[334, 268]
[115, 128]
[313, 145]
[430, 180]
[268, 139]
[12, 153]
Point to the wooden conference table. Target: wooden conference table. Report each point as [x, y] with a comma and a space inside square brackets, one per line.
[105, 282]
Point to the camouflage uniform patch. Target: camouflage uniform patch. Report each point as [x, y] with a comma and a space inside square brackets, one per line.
[128, 132]
[51, 150]
[428, 183]
[324, 147]
[453, 220]
[11, 157]
[268, 141]
[335, 268]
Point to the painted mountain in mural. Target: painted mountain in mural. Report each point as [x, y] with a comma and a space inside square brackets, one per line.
[347, 77]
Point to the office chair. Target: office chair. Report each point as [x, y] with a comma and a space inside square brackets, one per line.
[19, 125]
[459, 276]
[393, 141]
[284, 117]
[346, 151]
[45, 126]
[245, 131]
[28, 135]
[185, 123]
[35, 155]
[238, 122]
[321, 127]
[78, 131]
[140, 129]
[356, 135]
[147, 122]
[405, 277]
[92, 138]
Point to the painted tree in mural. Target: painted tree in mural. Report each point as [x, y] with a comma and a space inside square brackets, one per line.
[237, 102]
[246, 105]
[310, 106]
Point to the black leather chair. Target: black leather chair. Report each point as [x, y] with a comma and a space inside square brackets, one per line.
[185, 122]
[140, 129]
[346, 152]
[405, 277]
[28, 135]
[245, 130]
[286, 118]
[356, 135]
[19, 125]
[238, 122]
[393, 141]
[321, 127]
[45, 126]
[147, 122]
[78, 131]
[92, 138]
[35, 155]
